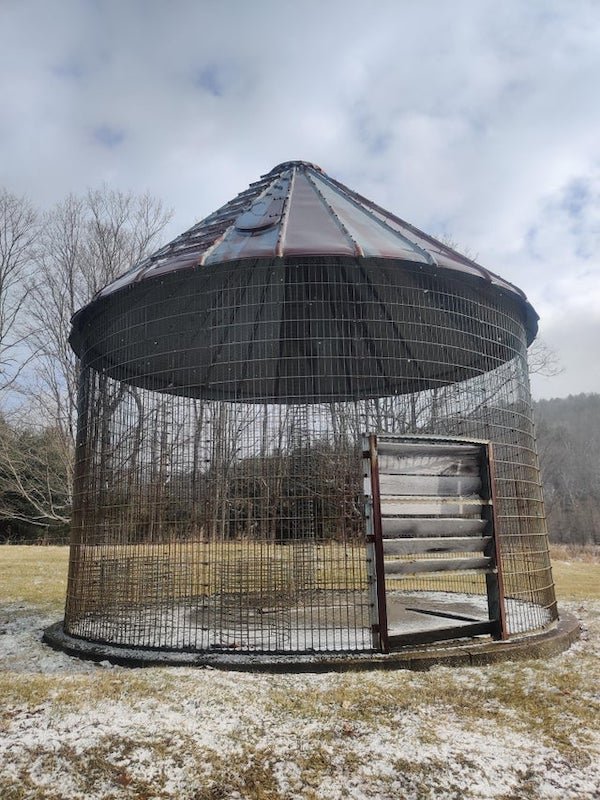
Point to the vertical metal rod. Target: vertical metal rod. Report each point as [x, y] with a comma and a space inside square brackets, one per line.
[499, 580]
[80, 485]
[370, 544]
[378, 546]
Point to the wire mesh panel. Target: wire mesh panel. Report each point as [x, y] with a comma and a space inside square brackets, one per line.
[218, 477]
[204, 525]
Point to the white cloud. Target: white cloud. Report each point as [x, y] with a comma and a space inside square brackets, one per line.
[472, 118]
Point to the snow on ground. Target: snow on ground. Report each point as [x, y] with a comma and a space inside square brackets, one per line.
[510, 731]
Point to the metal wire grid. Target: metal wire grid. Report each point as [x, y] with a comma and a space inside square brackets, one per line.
[186, 543]
[218, 481]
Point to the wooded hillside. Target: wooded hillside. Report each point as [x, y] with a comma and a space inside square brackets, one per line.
[568, 431]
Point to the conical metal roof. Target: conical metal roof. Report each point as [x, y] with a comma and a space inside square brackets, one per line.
[301, 290]
[296, 209]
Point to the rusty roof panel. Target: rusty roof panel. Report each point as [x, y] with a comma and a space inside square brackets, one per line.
[294, 210]
[374, 237]
[308, 215]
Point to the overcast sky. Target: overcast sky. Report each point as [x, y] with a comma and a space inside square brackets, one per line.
[474, 119]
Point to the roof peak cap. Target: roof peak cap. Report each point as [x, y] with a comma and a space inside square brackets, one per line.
[285, 165]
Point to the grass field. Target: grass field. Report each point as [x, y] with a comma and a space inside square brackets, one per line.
[39, 574]
[72, 729]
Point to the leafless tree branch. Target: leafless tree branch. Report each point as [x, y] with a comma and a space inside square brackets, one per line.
[49, 268]
[18, 230]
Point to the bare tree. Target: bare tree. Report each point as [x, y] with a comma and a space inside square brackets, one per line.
[568, 430]
[86, 243]
[34, 487]
[83, 244]
[18, 229]
[543, 360]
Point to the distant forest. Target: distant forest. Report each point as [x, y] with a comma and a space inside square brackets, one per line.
[568, 432]
[35, 496]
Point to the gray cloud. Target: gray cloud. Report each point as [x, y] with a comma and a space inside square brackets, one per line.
[576, 338]
[475, 119]
[106, 136]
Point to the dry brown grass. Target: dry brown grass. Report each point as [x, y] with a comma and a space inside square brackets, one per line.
[33, 574]
[38, 575]
[576, 572]
[586, 553]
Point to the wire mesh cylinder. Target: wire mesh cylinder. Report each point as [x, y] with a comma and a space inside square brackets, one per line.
[218, 497]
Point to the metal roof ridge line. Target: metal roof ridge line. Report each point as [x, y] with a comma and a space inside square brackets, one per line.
[487, 274]
[356, 245]
[357, 199]
[285, 214]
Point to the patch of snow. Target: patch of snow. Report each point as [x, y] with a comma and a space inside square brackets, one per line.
[317, 629]
[188, 732]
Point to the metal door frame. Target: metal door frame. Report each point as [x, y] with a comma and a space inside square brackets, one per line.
[496, 626]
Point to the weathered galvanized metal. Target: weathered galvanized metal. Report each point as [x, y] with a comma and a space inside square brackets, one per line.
[299, 210]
